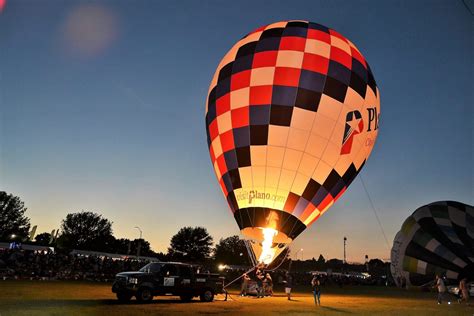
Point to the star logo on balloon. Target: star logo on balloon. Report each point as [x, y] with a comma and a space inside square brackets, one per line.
[354, 125]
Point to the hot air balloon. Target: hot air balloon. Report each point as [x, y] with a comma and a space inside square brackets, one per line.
[292, 115]
[437, 238]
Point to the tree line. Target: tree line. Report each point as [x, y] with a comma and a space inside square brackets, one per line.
[90, 231]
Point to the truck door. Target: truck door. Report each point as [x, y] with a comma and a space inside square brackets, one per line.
[185, 282]
[170, 279]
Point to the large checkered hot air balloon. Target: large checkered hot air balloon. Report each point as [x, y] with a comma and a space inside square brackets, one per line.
[291, 117]
[437, 238]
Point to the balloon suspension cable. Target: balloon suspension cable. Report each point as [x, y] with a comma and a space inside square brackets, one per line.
[239, 277]
[375, 212]
[250, 253]
[282, 260]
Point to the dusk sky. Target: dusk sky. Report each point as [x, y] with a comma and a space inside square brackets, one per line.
[102, 109]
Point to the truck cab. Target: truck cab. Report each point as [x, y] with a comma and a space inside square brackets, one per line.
[167, 278]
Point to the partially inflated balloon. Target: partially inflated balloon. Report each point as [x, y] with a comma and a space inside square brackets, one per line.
[291, 117]
[437, 238]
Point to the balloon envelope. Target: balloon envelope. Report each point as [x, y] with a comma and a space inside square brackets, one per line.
[437, 238]
[291, 117]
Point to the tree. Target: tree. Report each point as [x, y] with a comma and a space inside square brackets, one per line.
[12, 217]
[192, 244]
[126, 246]
[87, 231]
[144, 245]
[376, 263]
[334, 264]
[321, 259]
[123, 246]
[43, 239]
[231, 250]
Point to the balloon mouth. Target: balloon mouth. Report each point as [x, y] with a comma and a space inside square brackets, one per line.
[267, 243]
[257, 222]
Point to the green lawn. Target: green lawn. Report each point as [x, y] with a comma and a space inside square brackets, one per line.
[82, 298]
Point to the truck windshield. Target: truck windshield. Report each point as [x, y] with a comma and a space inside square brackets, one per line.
[152, 267]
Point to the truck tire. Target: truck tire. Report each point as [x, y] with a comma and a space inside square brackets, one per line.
[144, 295]
[124, 297]
[186, 298]
[207, 296]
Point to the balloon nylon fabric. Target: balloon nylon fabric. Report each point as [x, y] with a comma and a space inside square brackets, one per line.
[291, 118]
[435, 239]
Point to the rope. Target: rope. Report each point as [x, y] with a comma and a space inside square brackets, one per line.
[250, 253]
[375, 212]
[250, 270]
[283, 260]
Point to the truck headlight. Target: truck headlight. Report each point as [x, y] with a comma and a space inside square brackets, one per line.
[133, 280]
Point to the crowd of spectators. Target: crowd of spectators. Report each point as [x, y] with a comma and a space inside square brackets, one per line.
[47, 265]
[304, 278]
[341, 279]
[43, 265]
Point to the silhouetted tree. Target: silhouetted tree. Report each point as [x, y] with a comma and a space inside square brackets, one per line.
[126, 246]
[321, 260]
[43, 239]
[123, 246]
[87, 231]
[191, 244]
[231, 250]
[375, 263]
[335, 264]
[12, 217]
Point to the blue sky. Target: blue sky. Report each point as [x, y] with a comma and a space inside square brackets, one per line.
[112, 121]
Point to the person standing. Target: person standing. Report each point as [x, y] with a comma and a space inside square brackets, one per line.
[463, 291]
[245, 283]
[288, 285]
[269, 289]
[316, 284]
[260, 278]
[441, 289]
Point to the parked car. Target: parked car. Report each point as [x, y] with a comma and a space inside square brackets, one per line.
[454, 289]
[167, 278]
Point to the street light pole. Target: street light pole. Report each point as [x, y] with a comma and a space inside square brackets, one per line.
[344, 262]
[139, 242]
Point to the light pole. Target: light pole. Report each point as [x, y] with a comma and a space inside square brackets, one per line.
[345, 239]
[139, 242]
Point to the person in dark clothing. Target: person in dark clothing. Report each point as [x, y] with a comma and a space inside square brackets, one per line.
[260, 278]
[316, 285]
[269, 283]
[288, 285]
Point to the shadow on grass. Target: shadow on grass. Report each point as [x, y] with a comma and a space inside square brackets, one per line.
[46, 303]
[332, 309]
[159, 301]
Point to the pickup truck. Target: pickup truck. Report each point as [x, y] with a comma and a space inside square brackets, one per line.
[167, 278]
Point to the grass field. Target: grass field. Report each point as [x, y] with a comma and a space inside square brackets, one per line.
[81, 298]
